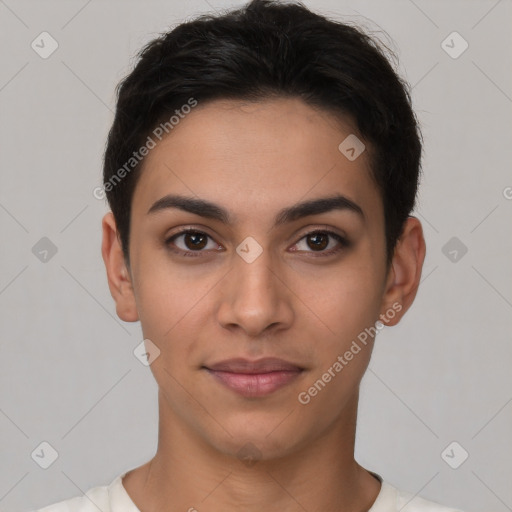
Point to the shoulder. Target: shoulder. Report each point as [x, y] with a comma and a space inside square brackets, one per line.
[391, 498]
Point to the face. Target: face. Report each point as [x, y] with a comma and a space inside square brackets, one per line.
[284, 258]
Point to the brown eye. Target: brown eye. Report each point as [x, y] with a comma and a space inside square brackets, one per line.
[190, 241]
[195, 240]
[318, 241]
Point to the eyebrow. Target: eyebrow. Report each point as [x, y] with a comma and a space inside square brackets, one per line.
[292, 213]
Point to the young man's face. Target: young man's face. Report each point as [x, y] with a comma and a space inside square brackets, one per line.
[252, 288]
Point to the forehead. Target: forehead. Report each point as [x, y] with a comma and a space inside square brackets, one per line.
[249, 155]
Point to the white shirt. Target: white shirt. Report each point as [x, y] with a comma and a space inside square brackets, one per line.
[114, 498]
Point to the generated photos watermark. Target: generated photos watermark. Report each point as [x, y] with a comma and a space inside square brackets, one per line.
[158, 133]
[304, 397]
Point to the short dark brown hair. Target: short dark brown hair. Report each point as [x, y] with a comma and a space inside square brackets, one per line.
[264, 50]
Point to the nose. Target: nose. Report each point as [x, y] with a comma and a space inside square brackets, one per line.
[256, 297]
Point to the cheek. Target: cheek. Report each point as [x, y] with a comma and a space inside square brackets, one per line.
[345, 314]
[173, 308]
[161, 290]
[342, 304]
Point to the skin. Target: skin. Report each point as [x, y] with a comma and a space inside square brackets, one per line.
[254, 159]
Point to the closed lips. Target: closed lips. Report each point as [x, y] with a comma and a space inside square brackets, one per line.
[245, 366]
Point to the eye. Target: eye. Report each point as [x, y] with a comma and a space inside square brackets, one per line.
[192, 241]
[320, 240]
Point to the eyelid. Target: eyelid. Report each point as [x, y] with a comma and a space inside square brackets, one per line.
[342, 239]
[343, 242]
[323, 229]
[189, 229]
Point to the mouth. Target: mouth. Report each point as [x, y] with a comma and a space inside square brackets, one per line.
[254, 378]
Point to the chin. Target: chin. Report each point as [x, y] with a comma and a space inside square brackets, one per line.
[257, 438]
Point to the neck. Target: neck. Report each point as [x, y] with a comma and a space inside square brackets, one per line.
[187, 474]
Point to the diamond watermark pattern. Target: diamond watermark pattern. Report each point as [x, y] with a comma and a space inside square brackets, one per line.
[44, 45]
[44, 455]
[146, 352]
[454, 45]
[351, 147]
[454, 455]
[44, 250]
[249, 249]
[249, 454]
[454, 249]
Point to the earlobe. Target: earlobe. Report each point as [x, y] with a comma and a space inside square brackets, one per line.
[405, 273]
[119, 280]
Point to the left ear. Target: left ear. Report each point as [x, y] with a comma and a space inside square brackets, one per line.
[405, 272]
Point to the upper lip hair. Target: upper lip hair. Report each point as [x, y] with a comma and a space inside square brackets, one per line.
[265, 365]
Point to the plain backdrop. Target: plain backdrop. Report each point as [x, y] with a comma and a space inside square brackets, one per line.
[68, 375]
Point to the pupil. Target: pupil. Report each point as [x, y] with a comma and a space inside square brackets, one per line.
[198, 240]
[316, 243]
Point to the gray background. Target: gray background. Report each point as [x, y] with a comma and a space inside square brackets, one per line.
[68, 375]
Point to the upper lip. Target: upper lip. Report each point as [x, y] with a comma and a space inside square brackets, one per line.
[265, 365]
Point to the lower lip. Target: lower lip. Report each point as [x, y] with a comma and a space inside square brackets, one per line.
[256, 384]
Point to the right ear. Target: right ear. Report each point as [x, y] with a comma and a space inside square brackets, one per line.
[119, 280]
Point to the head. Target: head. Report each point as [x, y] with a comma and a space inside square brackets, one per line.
[287, 146]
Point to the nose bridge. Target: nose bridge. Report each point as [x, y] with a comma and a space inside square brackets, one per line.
[256, 297]
[257, 274]
[254, 273]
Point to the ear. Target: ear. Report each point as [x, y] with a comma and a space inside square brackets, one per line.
[119, 279]
[404, 274]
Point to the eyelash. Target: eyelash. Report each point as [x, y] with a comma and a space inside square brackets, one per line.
[343, 243]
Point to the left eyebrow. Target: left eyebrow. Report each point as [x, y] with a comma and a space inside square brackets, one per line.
[292, 213]
[316, 207]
